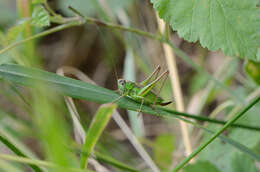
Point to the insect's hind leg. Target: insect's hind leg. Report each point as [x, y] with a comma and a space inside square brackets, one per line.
[166, 73]
[148, 79]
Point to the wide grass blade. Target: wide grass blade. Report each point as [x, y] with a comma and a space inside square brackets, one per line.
[78, 89]
[97, 126]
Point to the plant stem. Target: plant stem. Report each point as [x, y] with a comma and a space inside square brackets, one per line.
[17, 151]
[176, 86]
[44, 33]
[203, 146]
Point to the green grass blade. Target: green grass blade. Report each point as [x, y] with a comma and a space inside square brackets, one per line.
[110, 160]
[97, 126]
[203, 146]
[103, 158]
[78, 89]
[7, 166]
[232, 142]
[16, 147]
[38, 163]
[52, 128]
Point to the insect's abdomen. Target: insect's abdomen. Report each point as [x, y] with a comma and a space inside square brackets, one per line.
[149, 98]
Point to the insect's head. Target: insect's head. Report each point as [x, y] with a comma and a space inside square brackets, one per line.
[121, 84]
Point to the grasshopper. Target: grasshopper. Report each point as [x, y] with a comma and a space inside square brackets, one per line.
[142, 92]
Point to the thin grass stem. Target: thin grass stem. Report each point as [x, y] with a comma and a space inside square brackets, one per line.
[228, 124]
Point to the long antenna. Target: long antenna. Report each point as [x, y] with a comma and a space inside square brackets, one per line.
[115, 72]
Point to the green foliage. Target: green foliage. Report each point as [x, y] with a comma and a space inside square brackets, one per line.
[4, 58]
[40, 17]
[16, 146]
[163, 150]
[221, 153]
[229, 25]
[95, 130]
[241, 163]
[258, 55]
[253, 71]
[218, 133]
[201, 166]
[51, 125]
[78, 89]
[15, 31]
[103, 158]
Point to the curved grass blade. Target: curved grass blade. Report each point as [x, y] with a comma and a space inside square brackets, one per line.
[96, 128]
[232, 142]
[12, 144]
[81, 90]
[38, 163]
[103, 158]
[7, 166]
[108, 159]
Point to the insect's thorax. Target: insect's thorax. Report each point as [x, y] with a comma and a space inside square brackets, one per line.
[126, 88]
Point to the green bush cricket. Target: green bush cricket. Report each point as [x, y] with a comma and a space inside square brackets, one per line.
[142, 92]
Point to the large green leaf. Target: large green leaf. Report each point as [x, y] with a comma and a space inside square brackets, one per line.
[14, 32]
[229, 25]
[40, 17]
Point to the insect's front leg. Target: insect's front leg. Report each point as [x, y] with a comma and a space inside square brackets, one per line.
[139, 111]
[136, 97]
[121, 96]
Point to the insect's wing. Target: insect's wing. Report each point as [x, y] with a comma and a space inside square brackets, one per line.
[149, 87]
